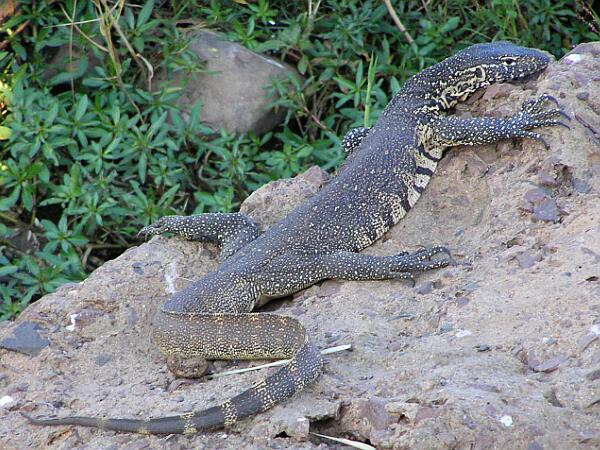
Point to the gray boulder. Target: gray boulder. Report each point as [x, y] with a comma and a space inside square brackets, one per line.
[233, 86]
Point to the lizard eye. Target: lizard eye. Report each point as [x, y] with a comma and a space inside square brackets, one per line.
[509, 60]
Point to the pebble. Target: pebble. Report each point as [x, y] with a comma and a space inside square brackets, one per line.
[546, 210]
[586, 340]
[581, 186]
[533, 445]
[424, 288]
[525, 260]
[461, 301]
[550, 364]
[550, 395]
[102, 359]
[446, 327]
[535, 195]
[547, 179]
[593, 375]
[25, 339]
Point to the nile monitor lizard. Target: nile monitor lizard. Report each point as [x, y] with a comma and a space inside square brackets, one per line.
[390, 165]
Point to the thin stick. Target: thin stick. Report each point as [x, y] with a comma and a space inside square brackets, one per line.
[281, 362]
[396, 19]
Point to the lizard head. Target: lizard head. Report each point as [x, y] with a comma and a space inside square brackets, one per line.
[498, 61]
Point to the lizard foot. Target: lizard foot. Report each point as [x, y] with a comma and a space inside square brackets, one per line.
[194, 367]
[534, 115]
[163, 225]
[420, 261]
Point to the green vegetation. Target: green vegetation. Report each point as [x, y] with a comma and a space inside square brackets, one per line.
[89, 154]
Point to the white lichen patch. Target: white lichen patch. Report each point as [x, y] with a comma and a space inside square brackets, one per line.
[573, 58]
[170, 277]
[506, 420]
[6, 400]
[463, 333]
[72, 326]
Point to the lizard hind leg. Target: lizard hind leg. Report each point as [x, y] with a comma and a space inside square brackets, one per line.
[231, 231]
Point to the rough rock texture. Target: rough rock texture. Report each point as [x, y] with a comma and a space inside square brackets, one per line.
[234, 86]
[500, 351]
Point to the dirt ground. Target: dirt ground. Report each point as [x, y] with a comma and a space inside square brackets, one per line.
[499, 351]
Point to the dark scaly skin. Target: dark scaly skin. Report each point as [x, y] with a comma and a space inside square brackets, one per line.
[389, 167]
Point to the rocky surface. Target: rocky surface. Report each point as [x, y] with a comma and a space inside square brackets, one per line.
[234, 86]
[499, 351]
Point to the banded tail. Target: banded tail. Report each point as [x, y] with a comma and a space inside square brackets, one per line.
[302, 369]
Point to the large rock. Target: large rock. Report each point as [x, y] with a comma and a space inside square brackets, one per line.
[234, 87]
[500, 351]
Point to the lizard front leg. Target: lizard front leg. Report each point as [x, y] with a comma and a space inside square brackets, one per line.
[452, 131]
[231, 231]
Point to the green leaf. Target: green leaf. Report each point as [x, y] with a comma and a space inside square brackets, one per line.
[8, 270]
[145, 13]
[5, 133]
[81, 107]
[8, 202]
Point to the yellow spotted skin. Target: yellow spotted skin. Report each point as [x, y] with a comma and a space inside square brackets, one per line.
[388, 168]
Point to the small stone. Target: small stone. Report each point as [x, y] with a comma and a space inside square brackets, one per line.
[138, 268]
[583, 95]
[102, 359]
[586, 435]
[471, 287]
[551, 364]
[446, 327]
[546, 211]
[553, 399]
[299, 429]
[535, 195]
[581, 186]
[25, 339]
[424, 288]
[534, 446]
[547, 179]
[593, 375]
[461, 301]
[586, 340]
[525, 260]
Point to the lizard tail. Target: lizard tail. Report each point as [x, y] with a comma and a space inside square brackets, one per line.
[302, 369]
